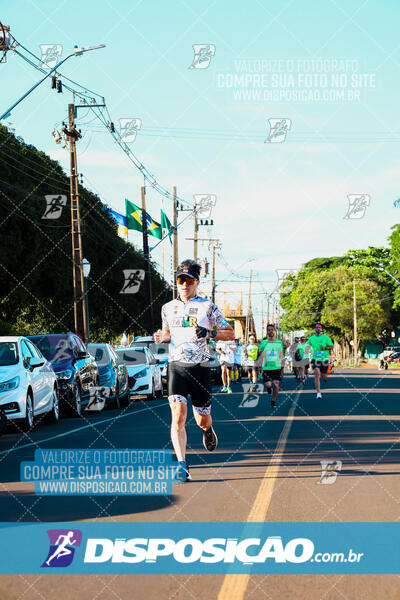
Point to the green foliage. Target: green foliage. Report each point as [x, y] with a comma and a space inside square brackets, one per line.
[395, 257]
[323, 291]
[36, 263]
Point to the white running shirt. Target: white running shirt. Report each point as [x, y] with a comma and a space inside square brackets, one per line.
[181, 320]
[228, 349]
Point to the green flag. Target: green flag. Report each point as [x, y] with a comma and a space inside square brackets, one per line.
[134, 220]
[166, 224]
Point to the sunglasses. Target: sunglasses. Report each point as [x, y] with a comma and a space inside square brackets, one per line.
[184, 279]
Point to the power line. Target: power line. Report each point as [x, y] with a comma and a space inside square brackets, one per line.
[148, 176]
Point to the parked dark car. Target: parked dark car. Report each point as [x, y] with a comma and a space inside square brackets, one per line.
[76, 369]
[113, 375]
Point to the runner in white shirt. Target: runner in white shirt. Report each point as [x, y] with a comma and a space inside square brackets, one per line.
[187, 322]
[226, 351]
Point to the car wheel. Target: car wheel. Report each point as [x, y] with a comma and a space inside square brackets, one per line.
[75, 408]
[126, 397]
[159, 393]
[152, 396]
[53, 415]
[116, 402]
[27, 423]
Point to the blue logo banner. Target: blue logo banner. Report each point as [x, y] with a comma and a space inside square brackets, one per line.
[194, 548]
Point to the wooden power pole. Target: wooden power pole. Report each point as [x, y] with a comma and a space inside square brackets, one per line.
[78, 281]
[355, 336]
[246, 335]
[175, 245]
[150, 319]
[196, 229]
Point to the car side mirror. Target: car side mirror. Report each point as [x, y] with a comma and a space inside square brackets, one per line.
[82, 354]
[35, 362]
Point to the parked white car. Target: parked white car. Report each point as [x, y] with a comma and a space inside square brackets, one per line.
[160, 351]
[144, 374]
[28, 384]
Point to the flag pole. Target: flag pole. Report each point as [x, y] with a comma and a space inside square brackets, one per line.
[150, 319]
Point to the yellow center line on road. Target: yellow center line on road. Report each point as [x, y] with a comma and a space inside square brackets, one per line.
[234, 586]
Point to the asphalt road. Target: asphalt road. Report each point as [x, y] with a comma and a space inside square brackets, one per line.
[267, 467]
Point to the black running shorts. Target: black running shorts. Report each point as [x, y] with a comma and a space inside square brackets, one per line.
[191, 380]
[272, 375]
[322, 365]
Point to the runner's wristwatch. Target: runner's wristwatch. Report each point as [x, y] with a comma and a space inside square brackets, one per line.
[213, 333]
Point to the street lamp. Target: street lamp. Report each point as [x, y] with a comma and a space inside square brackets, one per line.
[86, 270]
[77, 52]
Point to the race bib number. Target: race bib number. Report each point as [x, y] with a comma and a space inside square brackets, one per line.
[319, 354]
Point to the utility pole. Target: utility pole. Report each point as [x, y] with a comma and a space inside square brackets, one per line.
[175, 244]
[150, 319]
[355, 340]
[78, 281]
[248, 310]
[215, 246]
[213, 275]
[262, 318]
[196, 229]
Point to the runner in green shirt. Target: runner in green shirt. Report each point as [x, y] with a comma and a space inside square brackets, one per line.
[272, 362]
[250, 353]
[320, 345]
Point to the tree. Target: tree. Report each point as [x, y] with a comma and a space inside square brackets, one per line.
[323, 291]
[36, 263]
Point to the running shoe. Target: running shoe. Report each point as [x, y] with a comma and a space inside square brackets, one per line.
[273, 403]
[319, 396]
[182, 473]
[210, 440]
[303, 381]
[229, 390]
[223, 389]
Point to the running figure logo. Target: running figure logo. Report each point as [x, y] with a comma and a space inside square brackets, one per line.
[62, 547]
[50, 55]
[278, 129]
[54, 206]
[358, 204]
[284, 283]
[133, 278]
[203, 54]
[204, 204]
[330, 471]
[128, 129]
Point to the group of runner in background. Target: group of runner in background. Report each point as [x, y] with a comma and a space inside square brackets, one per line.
[267, 360]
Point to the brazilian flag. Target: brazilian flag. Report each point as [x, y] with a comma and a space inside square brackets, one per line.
[134, 220]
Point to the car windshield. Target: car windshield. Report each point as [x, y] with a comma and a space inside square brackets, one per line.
[159, 348]
[155, 348]
[8, 353]
[130, 357]
[146, 344]
[53, 347]
[99, 353]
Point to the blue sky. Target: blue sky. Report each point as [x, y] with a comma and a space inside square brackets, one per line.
[278, 204]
